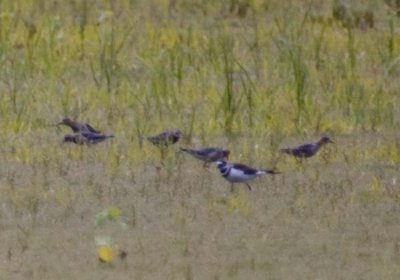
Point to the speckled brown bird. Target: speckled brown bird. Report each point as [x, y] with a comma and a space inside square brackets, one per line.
[307, 150]
[165, 138]
[78, 126]
[208, 154]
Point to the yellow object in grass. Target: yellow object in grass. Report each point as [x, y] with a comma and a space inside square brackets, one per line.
[105, 254]
[238, 203]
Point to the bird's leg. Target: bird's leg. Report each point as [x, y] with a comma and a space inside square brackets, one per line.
[248, 186]
[162, 152]
[232, 188]
[278, 159]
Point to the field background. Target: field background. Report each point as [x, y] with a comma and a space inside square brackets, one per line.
[250, 75]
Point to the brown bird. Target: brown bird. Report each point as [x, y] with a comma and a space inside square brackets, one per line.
[78, 126]
[86, 138]
[307, 150]
[208, 154]
[165, 138]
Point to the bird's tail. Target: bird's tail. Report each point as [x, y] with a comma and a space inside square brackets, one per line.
[287, 151]
[272, 171]
[189, 151]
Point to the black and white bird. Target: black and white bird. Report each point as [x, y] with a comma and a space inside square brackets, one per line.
[240, 173]
[307, 150]
[208, 154]
[87, 138]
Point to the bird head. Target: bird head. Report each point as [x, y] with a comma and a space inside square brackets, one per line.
[175, 135]
[220, 163]
[225, 154]
[65, 121]
[324, 140]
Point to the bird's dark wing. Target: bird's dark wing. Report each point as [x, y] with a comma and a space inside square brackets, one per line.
[164, 138]
[95, 137]
[304, 150]
[246, 169]
[206, 151]
[91, 129]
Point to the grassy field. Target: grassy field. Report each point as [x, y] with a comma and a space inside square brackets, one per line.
[249, 75]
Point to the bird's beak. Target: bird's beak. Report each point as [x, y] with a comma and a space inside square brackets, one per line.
[330, 141]
[53, 124]
[226, 156]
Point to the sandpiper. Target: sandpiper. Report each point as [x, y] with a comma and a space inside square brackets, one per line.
[240, 173]
[165, 138]
[307, 150]
[208, 154]
[78, 126]
[87, 138]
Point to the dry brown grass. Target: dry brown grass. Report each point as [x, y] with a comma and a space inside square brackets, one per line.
[334, 216]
